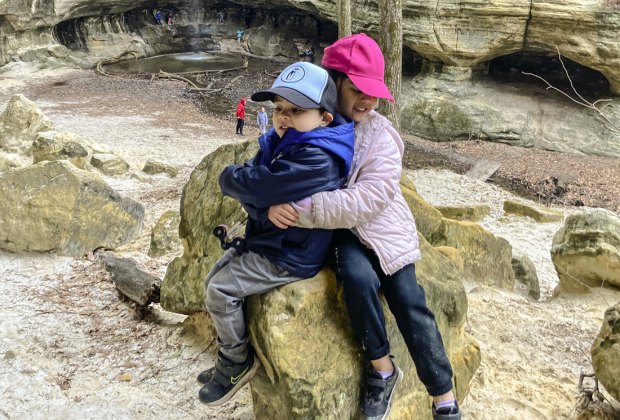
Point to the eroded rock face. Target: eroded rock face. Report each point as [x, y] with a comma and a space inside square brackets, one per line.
[20, 124]
[606, 352]
[56, 207]
[586, 251]
[529, 117]
[458, 33]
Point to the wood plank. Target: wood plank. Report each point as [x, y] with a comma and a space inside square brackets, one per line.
[483, 170]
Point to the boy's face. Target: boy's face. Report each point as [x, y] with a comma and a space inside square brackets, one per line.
[352, 102]
[287, 115]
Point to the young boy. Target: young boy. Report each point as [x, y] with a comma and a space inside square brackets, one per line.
[308, 150]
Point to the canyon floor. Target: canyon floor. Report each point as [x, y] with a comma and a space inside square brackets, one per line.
[71, 347]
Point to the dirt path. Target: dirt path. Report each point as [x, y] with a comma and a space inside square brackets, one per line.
[71, 348]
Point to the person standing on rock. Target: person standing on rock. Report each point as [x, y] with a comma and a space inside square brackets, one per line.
[262, 120]
[309, 148]
[376, 244]
[240, 116]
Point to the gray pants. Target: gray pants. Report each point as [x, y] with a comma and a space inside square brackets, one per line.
[233, 278]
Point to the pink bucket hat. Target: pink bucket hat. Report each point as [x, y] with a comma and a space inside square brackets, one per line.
[360, 58]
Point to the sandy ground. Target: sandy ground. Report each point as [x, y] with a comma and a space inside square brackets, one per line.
[70, 346]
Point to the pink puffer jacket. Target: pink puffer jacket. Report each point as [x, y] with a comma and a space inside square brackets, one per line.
[373, 204]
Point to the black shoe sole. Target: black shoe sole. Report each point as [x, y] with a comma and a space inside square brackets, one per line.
[244, 380]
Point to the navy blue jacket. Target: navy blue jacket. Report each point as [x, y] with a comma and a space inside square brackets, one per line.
[286, 170]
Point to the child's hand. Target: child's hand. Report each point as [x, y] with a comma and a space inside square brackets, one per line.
[282, 215]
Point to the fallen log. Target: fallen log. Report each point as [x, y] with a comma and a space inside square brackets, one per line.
[137, 285]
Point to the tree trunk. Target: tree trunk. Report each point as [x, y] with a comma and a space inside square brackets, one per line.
[344, 18]
[391, 39]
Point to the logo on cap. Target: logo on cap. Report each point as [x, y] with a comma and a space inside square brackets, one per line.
[294, 74]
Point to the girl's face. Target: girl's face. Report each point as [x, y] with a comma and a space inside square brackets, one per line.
[352, 102]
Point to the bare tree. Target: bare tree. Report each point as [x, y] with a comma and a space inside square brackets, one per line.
[391, 24]
[594, 106]
[344, 18]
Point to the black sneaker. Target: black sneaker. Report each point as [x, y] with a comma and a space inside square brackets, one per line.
[226, 378]
[447, 413]
[378, 393]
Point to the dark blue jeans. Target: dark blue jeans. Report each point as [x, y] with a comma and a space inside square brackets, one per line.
[357, 269]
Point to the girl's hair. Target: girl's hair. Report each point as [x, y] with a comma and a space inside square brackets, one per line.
[336, 75]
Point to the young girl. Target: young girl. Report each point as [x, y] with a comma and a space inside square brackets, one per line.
[376, 244]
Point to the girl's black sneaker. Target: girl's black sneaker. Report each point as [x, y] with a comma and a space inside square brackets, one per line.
[378, 392]
[447, 413]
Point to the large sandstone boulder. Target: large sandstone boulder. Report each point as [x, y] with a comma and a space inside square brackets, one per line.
[296, 382]
[317, 374]
[153, 167]
[486, 258]
[606, 352]
[540, 214]
[20, 124]
[52, 145]
[165, 235]
[56, 207]
[109, 164]
[469, 213]
[586, 251]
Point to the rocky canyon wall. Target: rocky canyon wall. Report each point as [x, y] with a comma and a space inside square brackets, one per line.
[455, 39]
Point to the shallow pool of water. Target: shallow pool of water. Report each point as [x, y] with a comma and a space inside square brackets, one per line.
[177, 63]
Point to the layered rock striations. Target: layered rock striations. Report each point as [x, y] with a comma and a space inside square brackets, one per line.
[455, 33]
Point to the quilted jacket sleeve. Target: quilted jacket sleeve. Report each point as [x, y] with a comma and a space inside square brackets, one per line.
[377, 181]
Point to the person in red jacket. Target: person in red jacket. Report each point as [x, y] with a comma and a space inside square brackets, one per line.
[240, 116]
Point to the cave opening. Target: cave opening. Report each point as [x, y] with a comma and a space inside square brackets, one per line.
[70, 34]
[589, 83]
[412, 62]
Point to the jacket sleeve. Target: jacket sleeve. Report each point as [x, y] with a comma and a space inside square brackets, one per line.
[290, 178]
[376, 185]
[256, 213]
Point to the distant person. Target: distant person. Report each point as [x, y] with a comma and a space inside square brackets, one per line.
[158, 17]
[262, 120]
[308, 150]
[170, 19]
[310, 55]
[220, 16]
[240, 116]
[239, 35]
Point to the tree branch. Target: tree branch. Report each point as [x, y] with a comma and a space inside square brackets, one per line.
[581, 101]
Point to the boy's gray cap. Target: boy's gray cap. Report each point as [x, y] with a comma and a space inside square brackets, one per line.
[305, 85]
